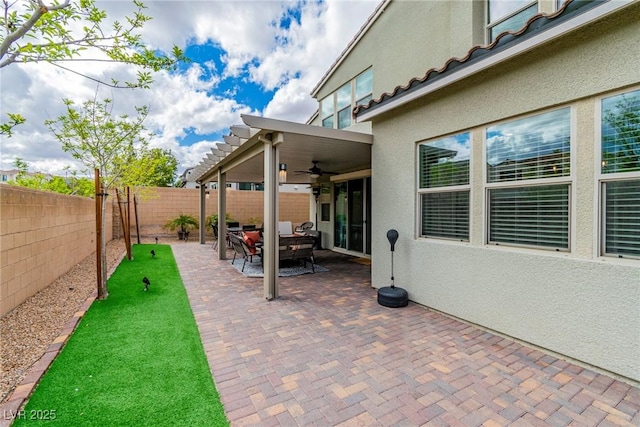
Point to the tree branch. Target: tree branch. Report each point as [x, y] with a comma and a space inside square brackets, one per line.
[28, 25]
[92, 78]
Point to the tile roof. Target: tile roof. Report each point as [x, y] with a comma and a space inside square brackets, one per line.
[534, 25]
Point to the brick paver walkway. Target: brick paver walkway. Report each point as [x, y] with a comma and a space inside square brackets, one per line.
[327, 354]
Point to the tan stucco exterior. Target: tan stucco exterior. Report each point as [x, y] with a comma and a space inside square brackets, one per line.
[401, 44]
[577, 303]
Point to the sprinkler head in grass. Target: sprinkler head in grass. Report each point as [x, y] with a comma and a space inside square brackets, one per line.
[146, 283]
[156, 240]
[153, 253]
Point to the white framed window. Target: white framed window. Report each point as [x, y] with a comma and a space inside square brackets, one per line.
[335, 109]
[619, 177]
[326, 111]
[508, 15]
[343, 106]
[364, 87]
[528, 181]
[443, 187]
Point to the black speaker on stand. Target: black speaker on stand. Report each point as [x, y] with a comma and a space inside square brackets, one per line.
[392, 296]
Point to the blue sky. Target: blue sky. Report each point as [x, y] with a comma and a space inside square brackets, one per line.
[259, 57]
[244, 91]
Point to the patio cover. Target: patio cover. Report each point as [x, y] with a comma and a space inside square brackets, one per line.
[252, 153]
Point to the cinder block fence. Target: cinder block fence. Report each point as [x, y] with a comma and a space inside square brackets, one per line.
[43, 235]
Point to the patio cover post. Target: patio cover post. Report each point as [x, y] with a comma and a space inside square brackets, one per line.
[271, 215]
[202, 221]
[222, 214]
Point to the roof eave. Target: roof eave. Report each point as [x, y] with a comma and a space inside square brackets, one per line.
[498, 57]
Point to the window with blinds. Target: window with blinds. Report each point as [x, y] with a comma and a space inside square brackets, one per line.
[443, 178]
[530, 216]
[446, 215]
[528, 181]
[620, 174]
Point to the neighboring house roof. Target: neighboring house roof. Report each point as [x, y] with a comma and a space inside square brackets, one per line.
[486, 56]
[363, 29]
[184, 177]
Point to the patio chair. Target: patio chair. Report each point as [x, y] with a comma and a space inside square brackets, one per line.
[298, 248]
[308, 225]
[240, 248]
[214, 245]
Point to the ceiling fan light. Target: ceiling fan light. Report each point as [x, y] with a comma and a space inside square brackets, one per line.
[314, 175]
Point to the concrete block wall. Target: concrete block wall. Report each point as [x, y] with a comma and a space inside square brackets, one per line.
[161, 204]
[42, 236]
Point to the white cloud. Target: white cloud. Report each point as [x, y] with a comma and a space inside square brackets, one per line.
[291, 102]
[185, 103]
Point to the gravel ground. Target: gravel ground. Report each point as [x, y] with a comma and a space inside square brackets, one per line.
[29, 329]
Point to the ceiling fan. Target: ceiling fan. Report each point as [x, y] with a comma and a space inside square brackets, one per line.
[315, 172]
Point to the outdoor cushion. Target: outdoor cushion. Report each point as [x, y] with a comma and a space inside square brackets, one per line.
[254, 235]
[250, 243]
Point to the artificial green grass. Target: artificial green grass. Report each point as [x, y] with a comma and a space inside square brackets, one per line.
[135, 358]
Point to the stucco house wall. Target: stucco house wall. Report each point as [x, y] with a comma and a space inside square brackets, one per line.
[577, 303]
[401, 44]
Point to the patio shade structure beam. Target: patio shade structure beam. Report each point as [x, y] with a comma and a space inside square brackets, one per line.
[233, 140]
[243, 131]
[225, 147]
[218, 152]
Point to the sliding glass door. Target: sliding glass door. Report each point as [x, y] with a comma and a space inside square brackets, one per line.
[340, 220]
[352, 201]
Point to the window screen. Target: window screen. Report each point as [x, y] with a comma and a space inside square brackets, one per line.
[522, 155]
[443, 178]
[620, 174]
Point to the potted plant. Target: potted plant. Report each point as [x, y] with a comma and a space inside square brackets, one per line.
[213, 219]
[256, 220]
[183, 223]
